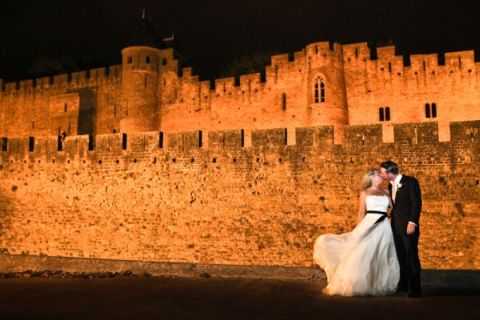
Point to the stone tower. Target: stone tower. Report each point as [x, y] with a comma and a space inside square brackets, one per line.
[140, 73]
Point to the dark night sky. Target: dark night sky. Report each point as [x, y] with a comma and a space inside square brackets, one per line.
[42, 37]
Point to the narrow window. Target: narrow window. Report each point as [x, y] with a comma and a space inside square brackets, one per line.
[381, 114]
[434, 110]
[319, 91]
[129, 60]
[147, 60]
[91, 142]
[164, 62]
[160, 140]
[31, 144]
[356, 52]
[4, 144]
[276, 73]
[60, 143]
[322, 91]
[242, 138]
[124, 141]
[390, 67]
[200, 142]
[284, 101]
[427, 110]
[460, 62]
[387, 114]
[424, 66]
[285, 136]
[65, 107]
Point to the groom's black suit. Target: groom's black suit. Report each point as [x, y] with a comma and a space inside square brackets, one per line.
[407, 207]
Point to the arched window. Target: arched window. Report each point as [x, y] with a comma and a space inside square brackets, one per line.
[319, 91]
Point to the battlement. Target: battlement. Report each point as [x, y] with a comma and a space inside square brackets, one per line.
[65, 81]
[110, 147]
[388, 61]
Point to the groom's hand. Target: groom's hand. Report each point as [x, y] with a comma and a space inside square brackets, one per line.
[410, 228]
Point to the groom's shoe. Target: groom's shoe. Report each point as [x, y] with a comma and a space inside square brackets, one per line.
[414, 288]
[402, 288]
[415, 294]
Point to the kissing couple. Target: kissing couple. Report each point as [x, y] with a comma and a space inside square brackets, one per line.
[380, 255]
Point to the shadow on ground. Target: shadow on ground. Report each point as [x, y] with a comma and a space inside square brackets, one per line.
[448, 294]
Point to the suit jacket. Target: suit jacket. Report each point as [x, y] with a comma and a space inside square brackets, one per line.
[408, 203]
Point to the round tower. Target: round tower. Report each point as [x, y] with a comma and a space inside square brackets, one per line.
[140, 73]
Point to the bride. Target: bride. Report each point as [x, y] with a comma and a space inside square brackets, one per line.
[362, 261]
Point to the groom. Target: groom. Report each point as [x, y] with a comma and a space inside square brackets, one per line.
[407, 204]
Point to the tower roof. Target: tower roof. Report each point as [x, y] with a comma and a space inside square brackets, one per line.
[145, 34]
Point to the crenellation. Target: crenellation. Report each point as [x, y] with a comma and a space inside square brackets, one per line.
[460, 60]
[421, 134]
[356, 53]
[299, 57]
[386, 53]
[279, 59]
[224, 86]
[250, 83]
[186, 73]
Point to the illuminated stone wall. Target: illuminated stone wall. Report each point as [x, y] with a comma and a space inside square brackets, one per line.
[248, 197]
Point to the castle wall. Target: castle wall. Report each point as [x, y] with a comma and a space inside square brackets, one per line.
[152, 95]
[224, 203]
[77, 103]
[453, 85]
[284, 99]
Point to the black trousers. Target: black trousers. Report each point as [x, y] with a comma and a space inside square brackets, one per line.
[407, 253]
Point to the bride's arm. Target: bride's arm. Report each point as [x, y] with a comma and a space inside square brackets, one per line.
[390, 204]
[361, 207]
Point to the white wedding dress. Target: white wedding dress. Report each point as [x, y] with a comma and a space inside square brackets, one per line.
[363, 261]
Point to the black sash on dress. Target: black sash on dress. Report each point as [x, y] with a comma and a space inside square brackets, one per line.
[384, 215]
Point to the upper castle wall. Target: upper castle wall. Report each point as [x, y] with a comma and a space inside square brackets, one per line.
[450, 82]
[64, 102]
[283, 98]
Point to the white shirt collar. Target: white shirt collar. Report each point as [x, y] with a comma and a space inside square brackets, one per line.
[397, 179]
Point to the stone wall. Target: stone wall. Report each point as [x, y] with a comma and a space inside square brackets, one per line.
[231, 197]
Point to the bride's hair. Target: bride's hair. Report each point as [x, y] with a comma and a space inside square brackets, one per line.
[367, 178]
